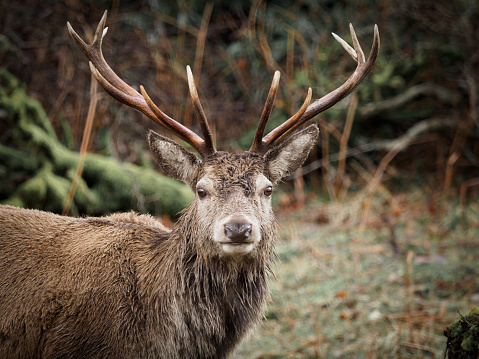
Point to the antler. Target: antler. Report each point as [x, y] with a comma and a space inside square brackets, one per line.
[307, 112]
[122, 92]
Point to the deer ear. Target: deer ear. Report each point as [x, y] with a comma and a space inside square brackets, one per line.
[289, 155]
[174, 160]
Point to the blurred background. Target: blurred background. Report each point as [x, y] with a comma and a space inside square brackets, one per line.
[380, 227]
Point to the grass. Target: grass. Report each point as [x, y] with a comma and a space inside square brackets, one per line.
[343, 292]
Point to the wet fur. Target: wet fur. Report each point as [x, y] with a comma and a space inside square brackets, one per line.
[124, 286]
[115, 306]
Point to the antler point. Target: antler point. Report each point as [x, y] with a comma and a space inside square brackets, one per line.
[277, 76]
[70, 29]
[189, 74]
[191, 81]
[103, 18]
[147, 99]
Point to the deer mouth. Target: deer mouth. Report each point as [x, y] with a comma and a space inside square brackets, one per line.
[236, 244]
[231, 247]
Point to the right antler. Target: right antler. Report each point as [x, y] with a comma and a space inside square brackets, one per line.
[122, 92]
[262, 144]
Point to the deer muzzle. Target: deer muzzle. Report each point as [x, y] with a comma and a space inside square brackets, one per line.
[237, 234]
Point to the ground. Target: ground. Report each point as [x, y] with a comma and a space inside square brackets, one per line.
[370, 278]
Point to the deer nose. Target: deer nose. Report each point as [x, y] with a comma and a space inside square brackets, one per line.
[238, 231]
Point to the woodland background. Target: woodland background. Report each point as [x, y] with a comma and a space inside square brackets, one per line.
[380, 227]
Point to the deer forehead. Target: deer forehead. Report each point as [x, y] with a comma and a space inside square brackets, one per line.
[228, 171]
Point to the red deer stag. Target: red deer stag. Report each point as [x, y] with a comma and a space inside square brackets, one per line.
[124, 286]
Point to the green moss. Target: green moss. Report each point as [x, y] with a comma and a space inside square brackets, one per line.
[463, 336]
[16, 160]
[37, 169]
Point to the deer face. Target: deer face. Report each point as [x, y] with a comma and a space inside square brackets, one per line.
[232, 197]
[234, 200]
[233, 211]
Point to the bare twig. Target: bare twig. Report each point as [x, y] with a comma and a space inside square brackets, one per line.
[323, 162]
[200, 48]
[463, 190]
[419, 347]
[343, 144]
[407, 96]
[368, 178]
[463, 130]
[400, 143]
[450, 171]
[84, 145]
[473, 95]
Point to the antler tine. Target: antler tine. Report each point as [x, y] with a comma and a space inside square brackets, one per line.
[200, 113]
[346, 46]
[181, 131]
[290, 125]
[360, 59]
[268, 107]
[362, 70]
[94, 53]
[139, 102]
[122, 92]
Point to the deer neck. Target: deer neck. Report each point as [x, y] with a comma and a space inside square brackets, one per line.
[190, 268]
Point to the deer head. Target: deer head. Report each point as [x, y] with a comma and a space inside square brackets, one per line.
[233, 191]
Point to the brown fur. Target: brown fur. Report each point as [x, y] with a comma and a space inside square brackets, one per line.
[124, 286]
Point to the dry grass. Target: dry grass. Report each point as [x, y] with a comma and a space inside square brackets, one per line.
[343, 292]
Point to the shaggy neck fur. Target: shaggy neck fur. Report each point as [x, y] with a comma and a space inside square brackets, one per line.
[215, 300]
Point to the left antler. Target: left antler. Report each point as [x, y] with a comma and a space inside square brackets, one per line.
[122, 92]
[262, 144]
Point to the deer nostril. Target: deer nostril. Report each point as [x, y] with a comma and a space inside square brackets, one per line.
[238, 232]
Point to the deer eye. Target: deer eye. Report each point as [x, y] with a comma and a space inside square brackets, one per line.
[201, 193]
[268, 191]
